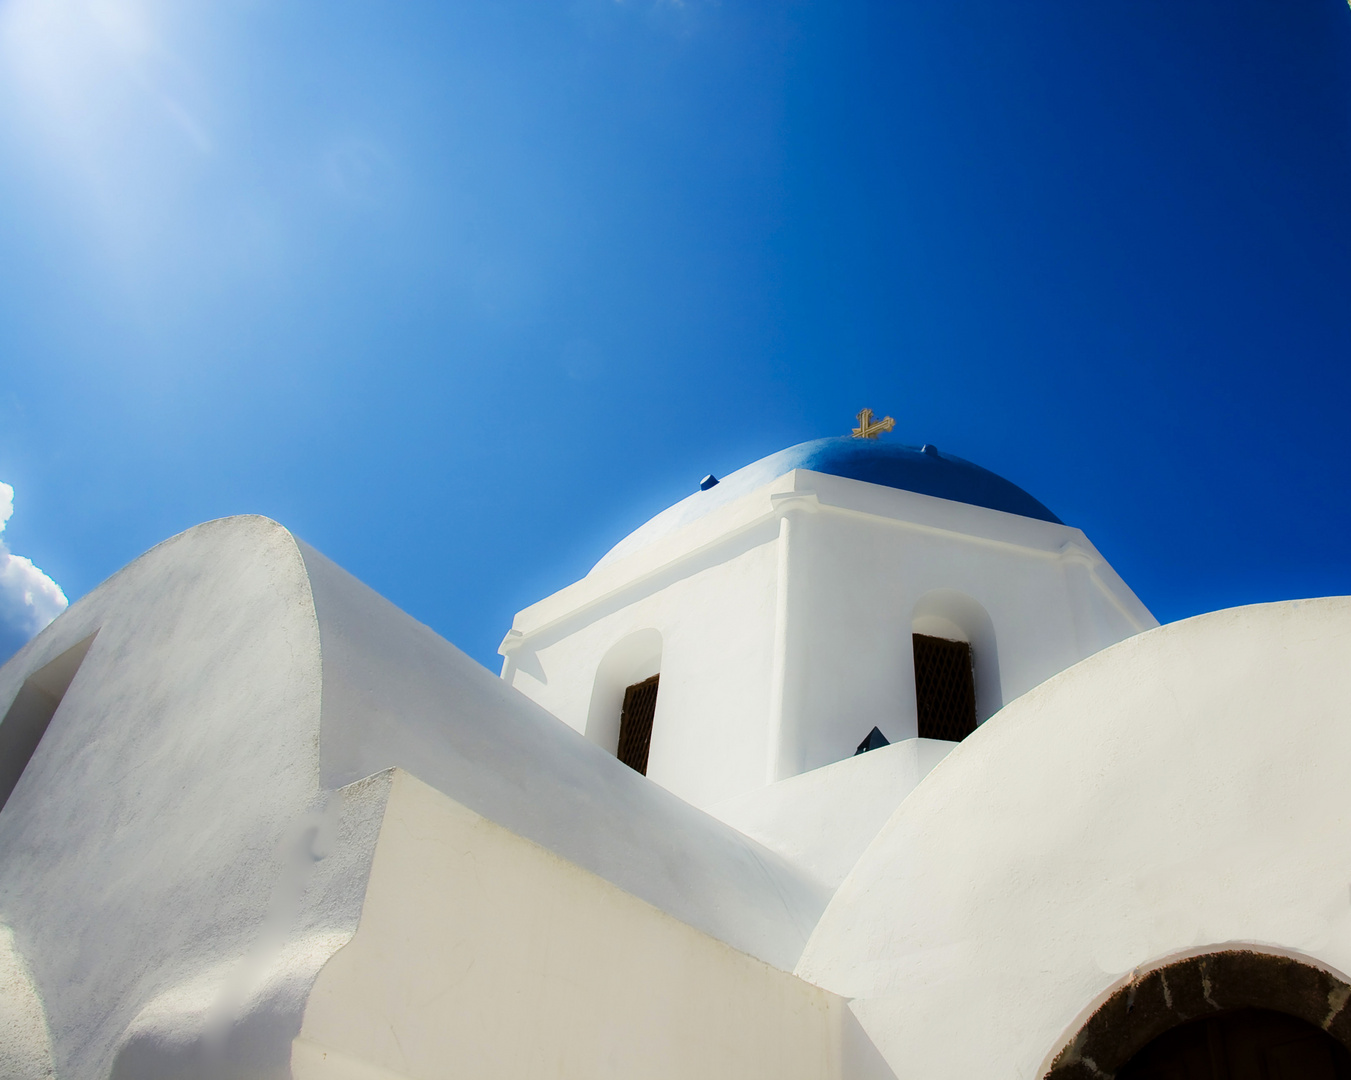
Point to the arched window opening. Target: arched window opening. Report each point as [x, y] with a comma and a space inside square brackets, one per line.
[624, 698]
[635, 723]
[945, 688]
[956, 663]
[1245, 1044]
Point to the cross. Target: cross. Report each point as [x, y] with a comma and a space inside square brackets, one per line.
[868, 428]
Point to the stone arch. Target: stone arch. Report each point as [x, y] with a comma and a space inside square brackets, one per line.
[1152, 1002]
[630, 660]
[947, 613]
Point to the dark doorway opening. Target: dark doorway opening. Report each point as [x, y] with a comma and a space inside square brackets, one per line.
[1245, 1044]
[635, 723]
[32, 710]
[945, 688]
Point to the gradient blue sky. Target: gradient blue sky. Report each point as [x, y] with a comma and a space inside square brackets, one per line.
[463, 292]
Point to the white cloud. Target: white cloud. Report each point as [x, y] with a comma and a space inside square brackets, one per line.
[29, 599]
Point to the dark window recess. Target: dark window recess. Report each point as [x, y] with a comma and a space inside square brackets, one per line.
[875, 741]
[1246, 1044]
[945, 690]
[635, 723]
[34, 706]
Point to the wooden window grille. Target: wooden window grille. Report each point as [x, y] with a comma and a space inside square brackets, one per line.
[945, 688]
[635, 724]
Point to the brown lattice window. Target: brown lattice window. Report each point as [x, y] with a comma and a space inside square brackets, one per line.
[635, 723]
[945, 690]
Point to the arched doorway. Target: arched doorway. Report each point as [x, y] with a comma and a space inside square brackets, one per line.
[1237, 1014]
[1244, 1044]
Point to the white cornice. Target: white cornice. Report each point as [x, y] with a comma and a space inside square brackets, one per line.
[802, 489]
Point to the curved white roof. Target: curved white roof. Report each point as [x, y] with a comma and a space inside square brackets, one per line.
[196, 825]
[1179, 792]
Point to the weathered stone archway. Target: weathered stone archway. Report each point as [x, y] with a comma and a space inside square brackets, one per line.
[1197, 986]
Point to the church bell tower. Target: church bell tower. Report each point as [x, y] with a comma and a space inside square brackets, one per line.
[843, 593]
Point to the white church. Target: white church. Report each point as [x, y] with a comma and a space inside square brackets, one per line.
[857, 764]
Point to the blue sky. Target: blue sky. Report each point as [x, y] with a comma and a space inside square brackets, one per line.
[463, 292]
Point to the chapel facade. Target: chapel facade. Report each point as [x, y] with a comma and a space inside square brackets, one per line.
[856, 764]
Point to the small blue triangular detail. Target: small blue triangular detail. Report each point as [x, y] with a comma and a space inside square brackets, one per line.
[875, 741]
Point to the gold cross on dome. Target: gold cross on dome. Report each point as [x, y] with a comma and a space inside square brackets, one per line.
[868, 428]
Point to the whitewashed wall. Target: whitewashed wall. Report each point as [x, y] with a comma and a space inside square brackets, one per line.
[1180, 793]
[483, 955]
[785, 621]
[192, 837]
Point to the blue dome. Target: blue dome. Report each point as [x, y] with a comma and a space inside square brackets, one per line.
[924, 470]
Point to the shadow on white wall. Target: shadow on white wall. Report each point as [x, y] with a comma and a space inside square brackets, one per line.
[946, 613]
[632, 659]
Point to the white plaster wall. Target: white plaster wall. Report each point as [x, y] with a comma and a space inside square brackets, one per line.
[865, 583]
[823, 820]
[483, 955]
[171, 872]
[758, 686]
[25, 1042]
[192, 838]
[1182, 790]
[714, 614]
[396, 694]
